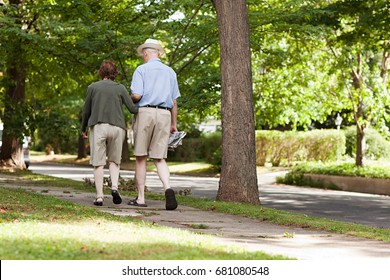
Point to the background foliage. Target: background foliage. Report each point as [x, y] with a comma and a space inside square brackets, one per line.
[304, 54]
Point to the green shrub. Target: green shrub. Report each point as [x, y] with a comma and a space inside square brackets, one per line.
[57, 130]
[295, 176]
[202, 148]
[377, 147]
[217, 159]
[211, 142]
[187, 152]
[285, 147]
[279, 147]
[324, 145]
[264, 145]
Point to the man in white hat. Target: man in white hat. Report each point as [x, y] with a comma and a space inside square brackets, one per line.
[154, 89]
[150, 44]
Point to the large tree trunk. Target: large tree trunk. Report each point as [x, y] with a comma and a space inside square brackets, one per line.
[238, 182]
[12, 140]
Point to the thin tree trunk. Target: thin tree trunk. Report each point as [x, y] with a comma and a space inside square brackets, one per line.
[360, 145]
[81, 147]
[359, 115]
[82, 150]
[125, 150]
[238, 181]
[385, 63]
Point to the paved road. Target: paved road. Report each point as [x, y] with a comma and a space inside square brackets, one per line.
[361, 208]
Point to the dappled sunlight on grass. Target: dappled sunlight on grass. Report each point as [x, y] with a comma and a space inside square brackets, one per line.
[17, 204]
[102, 239]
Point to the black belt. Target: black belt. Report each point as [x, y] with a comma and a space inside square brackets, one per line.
[157, 107]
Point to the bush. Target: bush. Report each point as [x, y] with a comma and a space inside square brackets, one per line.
[276, 147]
[217, 159]
[324, 145]
[58, 131]
[203, 148]
[377, 147]
[279, 147]
[295, 176]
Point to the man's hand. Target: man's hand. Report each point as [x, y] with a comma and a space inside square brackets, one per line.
[136, 97]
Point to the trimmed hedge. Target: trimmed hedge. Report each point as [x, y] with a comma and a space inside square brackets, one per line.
[197, 149]
[276, 147]
[283, 148]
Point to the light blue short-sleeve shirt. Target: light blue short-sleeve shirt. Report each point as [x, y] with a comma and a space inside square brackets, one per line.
[156, 83]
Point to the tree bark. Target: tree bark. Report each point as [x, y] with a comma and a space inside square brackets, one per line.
[82, 150]
[11, 149]
[359, 115]
[360, 145]
[238, 181]
[81, 147]
[125, 150]
[385, 63]
[12, 139]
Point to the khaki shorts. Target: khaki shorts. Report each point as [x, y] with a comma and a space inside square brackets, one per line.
[106, 140]
[151, 132]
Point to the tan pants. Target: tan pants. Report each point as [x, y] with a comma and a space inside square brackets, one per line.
[151, 132]
[106, 141]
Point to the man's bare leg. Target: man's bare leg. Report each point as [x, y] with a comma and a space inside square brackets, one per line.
[163, 172]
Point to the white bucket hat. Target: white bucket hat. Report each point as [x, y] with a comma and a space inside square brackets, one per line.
[152, 44]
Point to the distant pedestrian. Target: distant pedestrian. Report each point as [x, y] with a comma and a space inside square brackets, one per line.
[154, 89]
[103, 115]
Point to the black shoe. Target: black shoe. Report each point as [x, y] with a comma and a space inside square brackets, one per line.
[170, 200]
[116, 198]
[98, 202]
[135, 203]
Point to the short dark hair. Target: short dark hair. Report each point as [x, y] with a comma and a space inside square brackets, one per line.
[108, 70]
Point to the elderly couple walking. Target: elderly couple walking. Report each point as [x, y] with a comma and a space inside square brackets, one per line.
[154, 90]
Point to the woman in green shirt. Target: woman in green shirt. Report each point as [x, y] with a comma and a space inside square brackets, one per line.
[103, 115]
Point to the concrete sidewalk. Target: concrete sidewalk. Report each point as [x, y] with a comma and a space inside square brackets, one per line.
[366, 209]
[230, 229]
